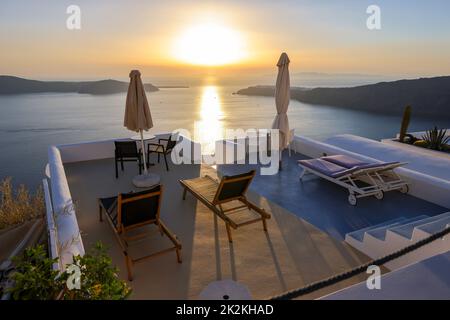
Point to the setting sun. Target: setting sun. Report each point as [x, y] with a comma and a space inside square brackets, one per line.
[209, 45]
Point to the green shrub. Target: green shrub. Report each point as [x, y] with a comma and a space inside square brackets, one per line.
[18, 206]
[421, 143]
[35, 279]
[99, 280]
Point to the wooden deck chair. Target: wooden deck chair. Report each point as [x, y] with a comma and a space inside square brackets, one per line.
[133, 211]
[217, 195]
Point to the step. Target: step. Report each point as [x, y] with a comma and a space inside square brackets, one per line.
[380, 233]
[359, 234]
[435, 226]
[406, 230]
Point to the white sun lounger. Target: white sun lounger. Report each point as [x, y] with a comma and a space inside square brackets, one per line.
[362, 179]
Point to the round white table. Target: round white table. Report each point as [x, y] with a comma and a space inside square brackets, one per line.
[147, 136]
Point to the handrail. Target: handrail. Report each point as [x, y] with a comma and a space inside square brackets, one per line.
[360, 269]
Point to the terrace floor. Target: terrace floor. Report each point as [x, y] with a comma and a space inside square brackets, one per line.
[324, 204]
[291, 254]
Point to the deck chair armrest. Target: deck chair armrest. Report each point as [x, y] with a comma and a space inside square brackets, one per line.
[171, 236]
[213, 179]
[157, 145]
[257, 209]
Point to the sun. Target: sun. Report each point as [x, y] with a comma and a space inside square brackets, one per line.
[209, 45]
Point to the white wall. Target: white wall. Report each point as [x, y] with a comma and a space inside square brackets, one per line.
[69, 239]
[412, 148]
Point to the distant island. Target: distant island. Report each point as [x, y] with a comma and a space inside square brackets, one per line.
[427, 96]
[173, 87]
[16, 85]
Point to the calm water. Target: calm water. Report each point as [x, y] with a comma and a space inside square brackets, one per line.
[30, 123]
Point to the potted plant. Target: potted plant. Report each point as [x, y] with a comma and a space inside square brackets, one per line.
[434, 139]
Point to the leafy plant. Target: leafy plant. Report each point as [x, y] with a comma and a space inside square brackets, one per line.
[421, 143]
[99, 280]
[405, 123]
[18, 206]
[436, 139]
[35, 279]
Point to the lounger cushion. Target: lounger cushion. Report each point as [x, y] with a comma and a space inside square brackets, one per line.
[345, 161]
[325, 167]
[352, 163]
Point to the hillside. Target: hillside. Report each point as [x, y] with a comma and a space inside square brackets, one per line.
[427, 96]
[15, 85]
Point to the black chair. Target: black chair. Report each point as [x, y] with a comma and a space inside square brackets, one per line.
[131, 211]
[163, 147]
[127, 151]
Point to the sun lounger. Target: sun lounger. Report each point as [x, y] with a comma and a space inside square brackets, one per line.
[362, 179]
[227, 199]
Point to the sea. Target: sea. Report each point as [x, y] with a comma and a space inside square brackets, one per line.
[30, 123]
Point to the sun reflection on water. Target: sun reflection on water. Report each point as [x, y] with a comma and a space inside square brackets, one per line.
[210, 127]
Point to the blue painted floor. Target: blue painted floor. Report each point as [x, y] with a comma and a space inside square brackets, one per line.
[324, 204]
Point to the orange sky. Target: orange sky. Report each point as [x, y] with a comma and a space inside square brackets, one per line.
[117, 36]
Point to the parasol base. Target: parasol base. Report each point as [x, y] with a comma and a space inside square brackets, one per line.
[146, 180]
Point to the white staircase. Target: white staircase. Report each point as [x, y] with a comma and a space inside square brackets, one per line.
[390, 236]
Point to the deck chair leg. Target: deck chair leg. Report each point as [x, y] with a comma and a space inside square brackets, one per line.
[230, 239]
[179, 259]
[159, 156]
[129, 266]
[165, 160]
[117, 171]
[100, 213]
[264, 224]
[140, 166]
[161, 229]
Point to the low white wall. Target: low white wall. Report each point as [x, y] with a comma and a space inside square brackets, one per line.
[93, 150]
[69, 239]
[87, 151]
[422, 186]
[412, 148]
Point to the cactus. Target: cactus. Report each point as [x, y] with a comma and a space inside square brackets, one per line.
[405, 123]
